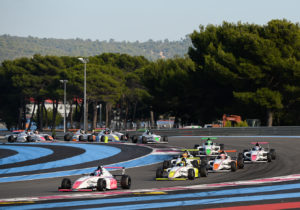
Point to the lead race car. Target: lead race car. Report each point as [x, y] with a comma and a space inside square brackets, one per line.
[208, 148]
[258, 154]
[101, 179]
[224, 163]
[149, 137]
[183, 168]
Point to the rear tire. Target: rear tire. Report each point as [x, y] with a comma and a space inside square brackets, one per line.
[165, 139]
[203, 171]
[240, 161]
[28, 138]
[67, 137]
[10, 139]
[222, 146]
[125, 182]
[269, 158]
[66, 183]
[80, 138]
[273, 154]
[195, 163]
[144, 140]
[166, 164]
[134, 139]
[101, 185]
[47, 138]
[196, 146]
[191, 174]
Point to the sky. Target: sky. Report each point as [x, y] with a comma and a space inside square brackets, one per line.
[134, 20]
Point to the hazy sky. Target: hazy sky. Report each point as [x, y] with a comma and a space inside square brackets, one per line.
[132, 20]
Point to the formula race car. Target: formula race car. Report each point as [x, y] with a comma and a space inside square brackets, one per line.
[189, 158]
[182, 169]
[109, 135]
[149, 137]
[258, 154]
[28, 136]
[80, 135]
[101, 179]
[12, 137]
[224, 163]
[208, 148]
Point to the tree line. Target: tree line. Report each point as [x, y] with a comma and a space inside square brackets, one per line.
[244, 69]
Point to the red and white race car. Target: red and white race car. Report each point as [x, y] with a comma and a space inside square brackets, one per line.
[258, 154]
[101, 179]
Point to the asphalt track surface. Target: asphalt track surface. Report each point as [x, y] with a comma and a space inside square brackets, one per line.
[286, 163]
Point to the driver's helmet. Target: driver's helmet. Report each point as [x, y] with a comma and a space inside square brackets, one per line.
[106, 131]
[81, 131]
[148, 132]
[185, 155]
[222, 156]
[98, 171]
[36, 132]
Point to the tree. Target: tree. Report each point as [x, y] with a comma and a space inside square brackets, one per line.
[258, 64]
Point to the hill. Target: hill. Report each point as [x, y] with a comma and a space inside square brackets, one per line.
[12, 47]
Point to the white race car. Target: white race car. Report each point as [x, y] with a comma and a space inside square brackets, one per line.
[28, 136]
[101, 179]
[149, 137]
[258, 154]
[80, 135]
[224, 163]
[182, 168]
[108, 135]
[208, 148]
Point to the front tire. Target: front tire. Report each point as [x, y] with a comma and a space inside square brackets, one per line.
[67, 137]
[273, 154]
[165, 139]
[233, 166]
[66, 183]
[191, 174]
[101, 185]
[134, 139]
[166, 164]
[159, 173]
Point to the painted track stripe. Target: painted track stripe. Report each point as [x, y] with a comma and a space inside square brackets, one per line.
[230, 192]
[146, 160]
[24, 153]
[92, 152]
[273, 206]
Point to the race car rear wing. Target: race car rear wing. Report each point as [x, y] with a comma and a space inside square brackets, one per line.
[114, 167]
[263, 142]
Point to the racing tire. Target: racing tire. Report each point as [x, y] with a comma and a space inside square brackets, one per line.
[102, 138]
[191, 174]
[245, 150]
[122, 138]
[90, 138]
[240, 161]
[144, 140]
[196, 146]
[80, 138]
[47, 138]
[134, 139]
[29, 139]
[127, 136]
[222, 146]
[269, 158]
[203, 161]
[233, 166]
[101, 185]
[166, 164]
[195, 163]
[159, 173]
[66, 184]
[10, 139]
[273, 154]
[203, 171]
[165, 139]
[125, 182]
[67, 137]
